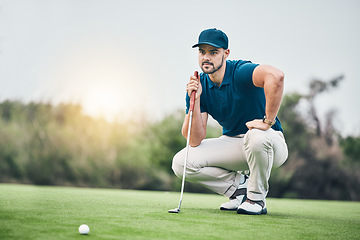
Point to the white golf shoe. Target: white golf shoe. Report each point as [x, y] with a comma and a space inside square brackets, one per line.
[240, 197]
[252, 207]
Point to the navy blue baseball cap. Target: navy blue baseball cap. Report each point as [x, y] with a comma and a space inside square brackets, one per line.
[213, 37]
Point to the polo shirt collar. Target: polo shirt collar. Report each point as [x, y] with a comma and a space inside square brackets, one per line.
[226, 80]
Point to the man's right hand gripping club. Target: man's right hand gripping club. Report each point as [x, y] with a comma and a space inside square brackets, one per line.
[199, 121]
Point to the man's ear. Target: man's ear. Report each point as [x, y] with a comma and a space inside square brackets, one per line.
[227, 53]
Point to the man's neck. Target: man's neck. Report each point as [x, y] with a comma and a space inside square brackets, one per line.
[218, 76]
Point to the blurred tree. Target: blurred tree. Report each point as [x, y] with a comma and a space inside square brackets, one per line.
[316, 87]
[351, 148]
[10, 110]
[160, 141]
[314, 168]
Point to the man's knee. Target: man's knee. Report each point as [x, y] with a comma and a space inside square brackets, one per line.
[192, 164]
[256, 140]
[178, 164]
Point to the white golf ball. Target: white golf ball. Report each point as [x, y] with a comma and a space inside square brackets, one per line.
[84, 229]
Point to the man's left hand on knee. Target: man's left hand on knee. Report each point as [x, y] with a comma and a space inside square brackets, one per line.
[258, 124]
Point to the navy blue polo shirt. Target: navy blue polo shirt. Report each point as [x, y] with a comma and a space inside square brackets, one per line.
[236, 101]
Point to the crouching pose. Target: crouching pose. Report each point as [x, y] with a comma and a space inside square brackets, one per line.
[244, 98]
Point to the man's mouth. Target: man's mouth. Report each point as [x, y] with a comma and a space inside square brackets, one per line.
[207, 63]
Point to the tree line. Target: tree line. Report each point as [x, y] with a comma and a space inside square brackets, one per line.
[46, 144]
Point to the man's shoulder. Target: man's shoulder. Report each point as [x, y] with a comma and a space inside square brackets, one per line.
[241, 71]
[237, 63]
[241, 66]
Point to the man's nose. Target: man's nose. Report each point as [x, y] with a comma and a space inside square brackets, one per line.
[206, 56]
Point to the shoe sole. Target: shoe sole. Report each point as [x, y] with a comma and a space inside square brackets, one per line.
[243, 211]
[228, 209]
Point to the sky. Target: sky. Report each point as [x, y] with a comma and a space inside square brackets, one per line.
[129, 57]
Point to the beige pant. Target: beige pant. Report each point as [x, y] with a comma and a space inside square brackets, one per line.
[216, 162]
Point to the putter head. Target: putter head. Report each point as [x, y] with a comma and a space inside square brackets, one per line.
[175, 210]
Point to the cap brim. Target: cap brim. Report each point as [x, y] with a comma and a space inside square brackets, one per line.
[208, 43]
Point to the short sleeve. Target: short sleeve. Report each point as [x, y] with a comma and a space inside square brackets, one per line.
[187, 99]
[244, 73]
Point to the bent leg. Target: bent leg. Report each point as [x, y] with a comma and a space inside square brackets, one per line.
[214, 164]
[264, 150]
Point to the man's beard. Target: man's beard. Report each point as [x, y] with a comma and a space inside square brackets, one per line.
[214, 69]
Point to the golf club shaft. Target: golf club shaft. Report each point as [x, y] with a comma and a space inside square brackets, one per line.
[191, 109]
[185, 161]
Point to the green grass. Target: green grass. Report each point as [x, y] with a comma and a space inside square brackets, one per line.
[34, 212]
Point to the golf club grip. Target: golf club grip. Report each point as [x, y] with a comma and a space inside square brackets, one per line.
[193, 94]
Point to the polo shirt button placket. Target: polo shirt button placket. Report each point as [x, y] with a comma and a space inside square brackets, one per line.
[220, 95]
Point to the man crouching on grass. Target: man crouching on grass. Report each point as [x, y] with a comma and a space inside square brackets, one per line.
[244, 98]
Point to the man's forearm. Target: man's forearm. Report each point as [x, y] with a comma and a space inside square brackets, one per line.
[198, 130]
[273, 87]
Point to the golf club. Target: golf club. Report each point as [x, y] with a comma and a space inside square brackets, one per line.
[191, 109]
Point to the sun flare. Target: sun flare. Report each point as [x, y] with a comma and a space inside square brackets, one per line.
[103, 100]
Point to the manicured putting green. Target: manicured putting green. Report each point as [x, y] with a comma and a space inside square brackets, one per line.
[34, 212]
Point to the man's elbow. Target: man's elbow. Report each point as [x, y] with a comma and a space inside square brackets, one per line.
[277, 75]
[194, 143]
[277, 79]
[281, 76]
[184, 133]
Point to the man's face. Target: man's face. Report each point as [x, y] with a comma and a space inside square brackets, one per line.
[211, 58]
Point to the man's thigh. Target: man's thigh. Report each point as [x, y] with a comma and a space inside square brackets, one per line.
[224, 152]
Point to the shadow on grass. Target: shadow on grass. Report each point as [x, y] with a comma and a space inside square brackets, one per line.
[296, 216]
